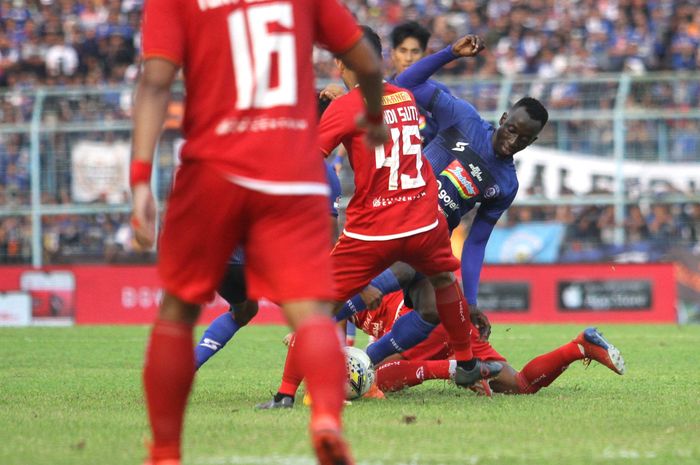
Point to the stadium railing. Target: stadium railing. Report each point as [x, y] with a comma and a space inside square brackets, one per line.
[64, 158]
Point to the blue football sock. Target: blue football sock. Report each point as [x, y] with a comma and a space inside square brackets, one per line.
[215, 337]
[408, 331]
[385, 282]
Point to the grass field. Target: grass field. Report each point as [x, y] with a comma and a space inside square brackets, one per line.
[73, 396]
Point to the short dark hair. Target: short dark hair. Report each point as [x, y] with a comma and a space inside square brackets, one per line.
[373, 39]
[534, 108]
[410, 29]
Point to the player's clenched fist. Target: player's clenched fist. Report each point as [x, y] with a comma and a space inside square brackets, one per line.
[468, 46]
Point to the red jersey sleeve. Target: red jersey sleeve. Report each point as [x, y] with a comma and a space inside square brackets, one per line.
[337, 30]
[336, 123]
[164, 30]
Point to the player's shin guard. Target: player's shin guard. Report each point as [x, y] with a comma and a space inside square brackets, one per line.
[322, 363]
[454, 315]
[215, 337]
[385, 282]
[400, 374]
[543, 370]
[168, 374]
[408, 331]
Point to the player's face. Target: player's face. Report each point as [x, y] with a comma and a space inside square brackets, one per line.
[407, 53]
[517, 131]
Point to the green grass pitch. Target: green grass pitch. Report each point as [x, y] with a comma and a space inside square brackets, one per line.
[73, 396]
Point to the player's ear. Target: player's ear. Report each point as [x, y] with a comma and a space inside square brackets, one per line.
[503, 119]
[339, 64]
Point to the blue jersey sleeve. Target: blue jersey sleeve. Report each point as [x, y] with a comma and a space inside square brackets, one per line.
[475, 245]
[334, 184]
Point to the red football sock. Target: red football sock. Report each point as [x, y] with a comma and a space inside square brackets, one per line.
[291, 376]
[321, 360]
[454, 315]
[168, 373]
[399, 374]
[541, 371]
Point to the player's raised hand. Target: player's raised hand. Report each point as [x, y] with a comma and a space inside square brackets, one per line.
[143, 215]
[468, 46]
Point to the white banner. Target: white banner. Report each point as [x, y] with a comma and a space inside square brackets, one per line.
[549, 172]
[15, 309]
[100, 171]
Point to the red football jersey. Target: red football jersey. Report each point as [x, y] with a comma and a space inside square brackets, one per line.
[395, 189]
[250, 98]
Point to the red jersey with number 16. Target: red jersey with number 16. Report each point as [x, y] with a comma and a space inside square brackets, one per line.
[251, 104]
[395, 189]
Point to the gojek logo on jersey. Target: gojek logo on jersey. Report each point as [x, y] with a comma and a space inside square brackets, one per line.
[464, 183]
[447, 201]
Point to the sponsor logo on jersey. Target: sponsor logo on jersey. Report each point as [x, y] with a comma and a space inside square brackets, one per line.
[492, 191]
[464, 183]
[475, 171]
[459, 146]
[447, 201]
[421, 122]
[398, 97]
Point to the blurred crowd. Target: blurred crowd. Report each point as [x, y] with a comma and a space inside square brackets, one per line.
[68, 44]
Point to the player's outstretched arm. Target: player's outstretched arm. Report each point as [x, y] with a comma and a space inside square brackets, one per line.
[150, 107]
[473, 256]
[364, 61]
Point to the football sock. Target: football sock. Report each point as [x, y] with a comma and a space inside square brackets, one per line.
[168, 373]
[219, 332]
[408, 331]
[543, 370]
[385, 282]
[321, 360]
[291, 376]
[394, 376]
[454, 315]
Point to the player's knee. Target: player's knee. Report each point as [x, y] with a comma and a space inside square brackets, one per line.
[244, 312]
[443, 279]
[403, 272]
[175, 309]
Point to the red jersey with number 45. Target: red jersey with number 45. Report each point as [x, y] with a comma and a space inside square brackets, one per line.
[250, 98]
[395, 189]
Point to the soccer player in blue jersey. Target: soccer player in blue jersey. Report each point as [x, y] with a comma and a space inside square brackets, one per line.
[473, 162]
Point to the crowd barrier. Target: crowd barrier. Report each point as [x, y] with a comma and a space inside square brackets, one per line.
[590, 294]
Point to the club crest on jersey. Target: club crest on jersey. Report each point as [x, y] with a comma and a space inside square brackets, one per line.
[464, 183]
[492, 191]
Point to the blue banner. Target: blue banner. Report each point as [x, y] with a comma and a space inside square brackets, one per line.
[525, 243]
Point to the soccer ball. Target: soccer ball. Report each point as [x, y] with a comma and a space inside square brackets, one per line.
[360, 373]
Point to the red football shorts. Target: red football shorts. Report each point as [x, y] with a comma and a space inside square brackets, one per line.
[437, 347]
[286, 239]
[356, 262]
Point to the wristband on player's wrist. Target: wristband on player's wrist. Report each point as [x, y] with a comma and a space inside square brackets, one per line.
[374, 119]
[140, 172]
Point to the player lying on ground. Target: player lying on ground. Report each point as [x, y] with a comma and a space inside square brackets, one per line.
[432, 358]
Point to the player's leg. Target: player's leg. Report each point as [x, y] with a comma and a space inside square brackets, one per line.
[288, 261]
[225, 326]
[190, 274]
[437, 261]
[412, 328]
[543, 370]
[400, 374]
[387, 282]
[353, 266]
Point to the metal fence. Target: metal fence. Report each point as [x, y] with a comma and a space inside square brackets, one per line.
[620, 118]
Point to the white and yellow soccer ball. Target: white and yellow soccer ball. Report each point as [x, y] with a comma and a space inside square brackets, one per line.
[360, 372]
